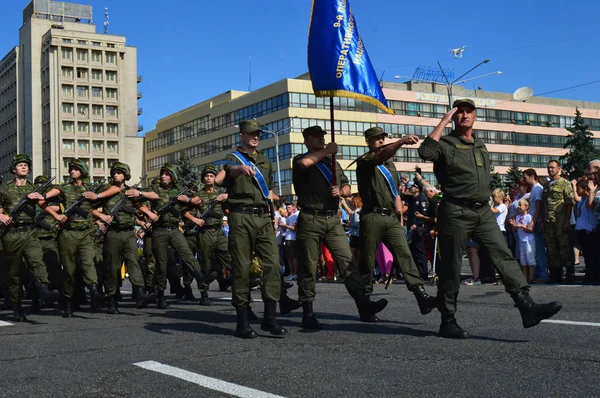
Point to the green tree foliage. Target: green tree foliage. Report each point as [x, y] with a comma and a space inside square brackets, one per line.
[513, 175]
[581, 148]
[496, 180]
[185, 169]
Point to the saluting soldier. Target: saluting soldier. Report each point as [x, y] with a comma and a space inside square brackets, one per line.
[318, 221]
[19, 239]
[378, 184]
[251, 229]
[76, 234]
[165, 231]
[211, 241]
[461, 164]
[120, 242]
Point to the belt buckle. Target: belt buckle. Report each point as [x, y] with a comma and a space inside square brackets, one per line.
[255, 211]
[330, 213]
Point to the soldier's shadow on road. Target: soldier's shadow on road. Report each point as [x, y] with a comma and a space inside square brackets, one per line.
[202, 322]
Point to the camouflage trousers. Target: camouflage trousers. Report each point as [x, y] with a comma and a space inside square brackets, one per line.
[560, 252]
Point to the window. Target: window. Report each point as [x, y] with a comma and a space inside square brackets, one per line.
[66, 161]
[67, 108]
[111, 93]
[111, 76]
[97, 128]
[112, 128]
[97, 75]
[67, 90]
[67, 127]
[82, 42]
[97, 44]
[112, 146]
[82, 73]
[83, 127]
[67, 73]
[68, 146]
[111, 58]
[67, 53]
[67, 41]
[82, 55]
[96, 56]
[83, 109]
[82, 91]
[97, 110]
[83, 146]
[111, 111]
[98, 163]
[96, 92]
[98, 146]
[110, 45]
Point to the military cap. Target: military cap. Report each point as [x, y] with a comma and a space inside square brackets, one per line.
[313, 130]
[21, 158]
[78, 164]
[170, 169]
[464, 101]
[249, 126]
[42, 179]
[209, 169]
[122, 167]
[374, 132]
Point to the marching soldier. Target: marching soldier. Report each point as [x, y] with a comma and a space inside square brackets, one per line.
[120, 241]
[378, 187]
[19, 239]
[251, 231]
[165, 229]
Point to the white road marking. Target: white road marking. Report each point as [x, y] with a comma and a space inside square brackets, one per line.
[205, 381]
[571, 322]
[3, 323]
[229, 299]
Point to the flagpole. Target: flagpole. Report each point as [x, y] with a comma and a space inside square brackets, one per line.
[333, 171]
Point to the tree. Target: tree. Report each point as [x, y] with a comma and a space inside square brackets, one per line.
[185, 169]
[513, 175]
[581, 147]
[495, 180]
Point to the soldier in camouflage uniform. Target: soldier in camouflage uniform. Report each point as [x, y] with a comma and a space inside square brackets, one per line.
[165, 231]
[19, 239]
[557, 201]
[211, 241]
[120, 241]
[76, 235]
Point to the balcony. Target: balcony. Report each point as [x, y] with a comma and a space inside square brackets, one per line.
[139, 79]
[140, 111]
[140, 127]
[139, 95]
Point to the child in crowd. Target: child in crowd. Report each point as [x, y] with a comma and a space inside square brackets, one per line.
[500, 210]
[524, 227]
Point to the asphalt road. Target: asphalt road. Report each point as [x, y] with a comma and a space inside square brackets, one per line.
[93, 354]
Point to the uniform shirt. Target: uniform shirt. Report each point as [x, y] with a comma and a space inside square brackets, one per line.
[462, 167]
[215, 217]
[244, 191]
[47, 219]
[124, 218]
[69, 193]
[312, 188]
[523, 235]
[372, 185]
[557, 194]
[291, 220]
[11, 194]
[167, 219]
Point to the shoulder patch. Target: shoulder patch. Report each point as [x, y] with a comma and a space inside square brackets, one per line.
[462, 146]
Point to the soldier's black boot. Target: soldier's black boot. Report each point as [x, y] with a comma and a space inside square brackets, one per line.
[251, 315]
[224, 284]
[97, 300]
[113, 305]
[309, 319]
[35, 306]
[176, 288]
[160, 300]
[204, 298]
[368, 309]
[47, 296]
[426, 302]
[450, 329]
[142, 299]
[67, 309]
[243, 329]
[533, 313]
[188, 293]
[18, 314]
[151, 294]
[287, 304]
[269, 323]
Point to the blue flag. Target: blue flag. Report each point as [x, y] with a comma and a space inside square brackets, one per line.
[338, 62]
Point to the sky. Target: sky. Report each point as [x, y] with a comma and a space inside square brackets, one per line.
[191, 50]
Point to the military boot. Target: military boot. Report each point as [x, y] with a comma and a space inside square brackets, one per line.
[309, 319]
[151, 294]
[269, 323]
[97, 300]
[176, 288]
[287, 305]
[243, 329]
[224, 284]
[450, 329]
[47, 296]
[113, 305]
[67, 309]
[533, 313]
[204, 301]
[251, 315]
[160, 300]
[18, 314]
[426, 302]
[188, 293]
[368, 309]
[142, 299]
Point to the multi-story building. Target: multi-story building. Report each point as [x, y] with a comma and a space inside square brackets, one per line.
[525, 134]
[76, 94]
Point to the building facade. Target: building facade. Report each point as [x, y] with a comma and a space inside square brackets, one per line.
[524, 134]
[77, 94]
